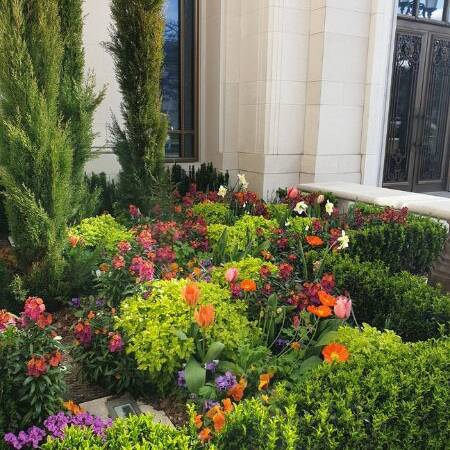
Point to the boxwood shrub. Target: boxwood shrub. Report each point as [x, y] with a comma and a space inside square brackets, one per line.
[389, 394]
[413, 246]
[213, 212]
[402, 302]
[135, 432]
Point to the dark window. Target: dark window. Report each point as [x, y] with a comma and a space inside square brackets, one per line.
[179, 77]
[425, 9]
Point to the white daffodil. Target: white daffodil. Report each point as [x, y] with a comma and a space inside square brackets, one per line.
[222, 191]
[242, 181]
[300, 207]
[329, 207]
[320, 199]
[343, 240]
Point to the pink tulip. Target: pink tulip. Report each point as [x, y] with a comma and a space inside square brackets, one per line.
[231, 275]
[343, 307]
[292, 193]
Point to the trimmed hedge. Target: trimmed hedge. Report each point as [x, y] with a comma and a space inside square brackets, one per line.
[388, 395]
[403, 302]
[135, 432]
[413, 246]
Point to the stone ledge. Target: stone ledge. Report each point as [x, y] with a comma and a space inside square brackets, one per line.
[427, 205]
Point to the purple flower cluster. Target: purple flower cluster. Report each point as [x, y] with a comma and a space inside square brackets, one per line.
[30, 438]
[225, 382]
[211, 366]
[54, 426]
[181, 381]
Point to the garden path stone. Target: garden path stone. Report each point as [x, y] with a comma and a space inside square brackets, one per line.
[99, 408]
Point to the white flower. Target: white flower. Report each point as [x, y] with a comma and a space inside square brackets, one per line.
[242, 181]
[222, 191]
[57, 338]
[329, 207]
[307, 228]
[287, 223]
[300, 207]
[320, 199]
[98, 273]
[343, 241]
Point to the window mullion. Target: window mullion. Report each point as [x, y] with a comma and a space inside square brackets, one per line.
[182, 99]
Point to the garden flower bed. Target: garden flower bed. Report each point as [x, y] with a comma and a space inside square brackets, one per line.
[251, 314]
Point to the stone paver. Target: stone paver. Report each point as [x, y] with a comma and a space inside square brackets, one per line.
[98, 408]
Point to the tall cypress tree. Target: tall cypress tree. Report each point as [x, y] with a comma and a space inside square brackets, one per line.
[77, 97]
[137, 39]
[36, 155]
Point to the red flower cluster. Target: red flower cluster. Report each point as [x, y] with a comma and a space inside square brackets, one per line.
[35, 310]
[39, 365]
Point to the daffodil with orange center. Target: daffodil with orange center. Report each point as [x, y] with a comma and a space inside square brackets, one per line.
[264, 380]
[321, 311]
[326, 299]
[204, 316]
[191, 293]
[314, 241]
[335, 353]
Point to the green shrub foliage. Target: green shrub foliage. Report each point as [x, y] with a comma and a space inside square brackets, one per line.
[35, 151]
[137, 48]
[45, 130]
[103, 232]
[413, 246]
[77, 97]
[388, 395]
[213, 212]
[403, 302]
[154, 325]
[135, 432]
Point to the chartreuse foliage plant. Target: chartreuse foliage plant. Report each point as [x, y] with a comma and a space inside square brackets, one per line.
[158, 326]
[102, 231]
[247, 268]
[132, 433]
[402, 302]
[213, 212]
[248, 236]
[137, 41]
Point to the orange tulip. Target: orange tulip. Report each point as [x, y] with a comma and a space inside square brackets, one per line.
[219, 421]
[191, 293]
[335, 352]
[264, 380]
[204, 316]
[248, 285]
[73, 407]
[205, 435]
[198, 422]
[326, 299]
[314, 241]
[227, 405]
[321, 311]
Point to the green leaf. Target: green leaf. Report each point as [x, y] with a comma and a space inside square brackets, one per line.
[326, 338]
[195, 375]
[208, 392]
[214, 351]
[309, 364]
[181, 335]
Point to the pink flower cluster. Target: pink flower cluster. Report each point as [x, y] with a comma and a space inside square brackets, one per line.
[115, 343]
